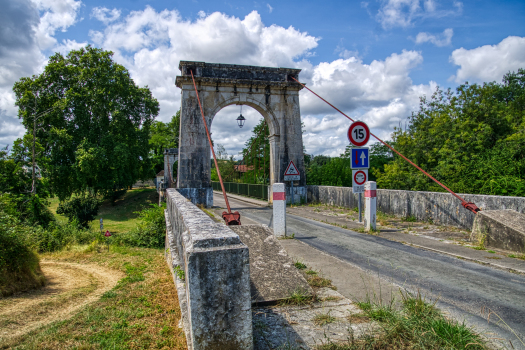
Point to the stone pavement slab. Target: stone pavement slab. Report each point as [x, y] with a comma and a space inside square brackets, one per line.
[295, 327]
[273, 275]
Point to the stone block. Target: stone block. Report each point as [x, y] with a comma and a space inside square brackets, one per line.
[273, 275]
[215, 264]
[198, 196]
[503, 229]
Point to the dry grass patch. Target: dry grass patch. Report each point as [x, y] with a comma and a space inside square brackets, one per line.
[141, 312]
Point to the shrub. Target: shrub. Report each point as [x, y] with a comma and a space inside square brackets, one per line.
[58, 236]
[19, 265]
[81, 210]
[151, 230]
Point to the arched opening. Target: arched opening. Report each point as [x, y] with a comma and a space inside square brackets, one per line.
[243, 154]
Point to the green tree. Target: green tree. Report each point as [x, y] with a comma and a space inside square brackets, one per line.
[95, 136]
[162, 136]
[256, 154]
[472, 140]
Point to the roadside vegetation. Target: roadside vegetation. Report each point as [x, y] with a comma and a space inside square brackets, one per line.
[415, 324]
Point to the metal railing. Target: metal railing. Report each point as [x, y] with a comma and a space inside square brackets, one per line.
[250, 190]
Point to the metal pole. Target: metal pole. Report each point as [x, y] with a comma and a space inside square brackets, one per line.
[360, 214]
[292, 194]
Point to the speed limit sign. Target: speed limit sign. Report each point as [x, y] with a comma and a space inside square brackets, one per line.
[358, 134]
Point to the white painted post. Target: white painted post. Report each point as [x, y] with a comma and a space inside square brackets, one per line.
[370, 205]
[279, 209]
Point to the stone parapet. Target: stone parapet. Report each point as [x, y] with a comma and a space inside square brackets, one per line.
[211, 270]
[440, 208]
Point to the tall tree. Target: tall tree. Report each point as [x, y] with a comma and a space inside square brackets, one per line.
[93, 124]
[472, 140]
[162, 136]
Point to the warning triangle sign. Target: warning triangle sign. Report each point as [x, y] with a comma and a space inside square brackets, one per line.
[291, 170]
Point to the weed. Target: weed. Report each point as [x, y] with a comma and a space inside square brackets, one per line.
[318, 281]
[298, 297]
[181, 274]
[311, 272]
[322, 319]
[409, 218]
[491, 251]
[299, 265]
[416, 325]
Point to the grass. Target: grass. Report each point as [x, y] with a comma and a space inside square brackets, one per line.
[416, 324]
[299, 265]
[409, 218]
[313, 278]
[298, 297]
[322, 319]
[517, 256]
[120, 216]
[141, 312]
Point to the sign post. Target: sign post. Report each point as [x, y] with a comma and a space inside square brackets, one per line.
[370, 205]
[101, 225]
[107, 234]
[279, 209]
[359, 177]
[292, 174]
[358, 135]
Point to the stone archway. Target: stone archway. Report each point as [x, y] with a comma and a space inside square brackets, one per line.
[268, 90]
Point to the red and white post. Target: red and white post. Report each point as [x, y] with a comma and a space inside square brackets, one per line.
[279, 209]
[370, 205]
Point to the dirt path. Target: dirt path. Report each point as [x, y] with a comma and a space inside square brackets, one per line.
[70, 286]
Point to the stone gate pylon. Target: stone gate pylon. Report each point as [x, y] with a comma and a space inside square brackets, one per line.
[268, 90]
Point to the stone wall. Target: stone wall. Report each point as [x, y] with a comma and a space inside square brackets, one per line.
[210, 267]
[440, 208]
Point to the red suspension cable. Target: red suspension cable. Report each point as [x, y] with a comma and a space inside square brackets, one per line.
[467, 205]
[229, 217]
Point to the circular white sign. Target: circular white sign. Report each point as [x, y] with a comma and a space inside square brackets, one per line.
[358, 134]
[360, 177]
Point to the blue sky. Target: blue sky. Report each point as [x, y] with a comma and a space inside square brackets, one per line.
[373, 59]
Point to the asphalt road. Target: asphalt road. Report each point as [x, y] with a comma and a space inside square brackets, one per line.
[468, 291]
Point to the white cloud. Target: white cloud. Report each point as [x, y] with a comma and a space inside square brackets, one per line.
[105, 15]
[270, 8]
[402, 13]
[151, 44]
[489, 62]
[439, 40]
[56, 14]
[380, 93]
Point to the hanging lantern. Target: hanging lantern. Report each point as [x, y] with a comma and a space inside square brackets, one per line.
[241, 120]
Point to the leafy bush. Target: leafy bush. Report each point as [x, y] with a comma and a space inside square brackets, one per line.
[81, 210]
[19, 265]
[58, 236]
[151, 230]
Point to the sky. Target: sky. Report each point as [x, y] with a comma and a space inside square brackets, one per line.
[372, 59]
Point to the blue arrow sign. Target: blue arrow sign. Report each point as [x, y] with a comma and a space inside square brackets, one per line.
[360, 159]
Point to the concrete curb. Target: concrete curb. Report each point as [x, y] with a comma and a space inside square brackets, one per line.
[501, 267]
[244, 199]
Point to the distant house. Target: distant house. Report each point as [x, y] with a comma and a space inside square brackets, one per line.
[243, 168]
